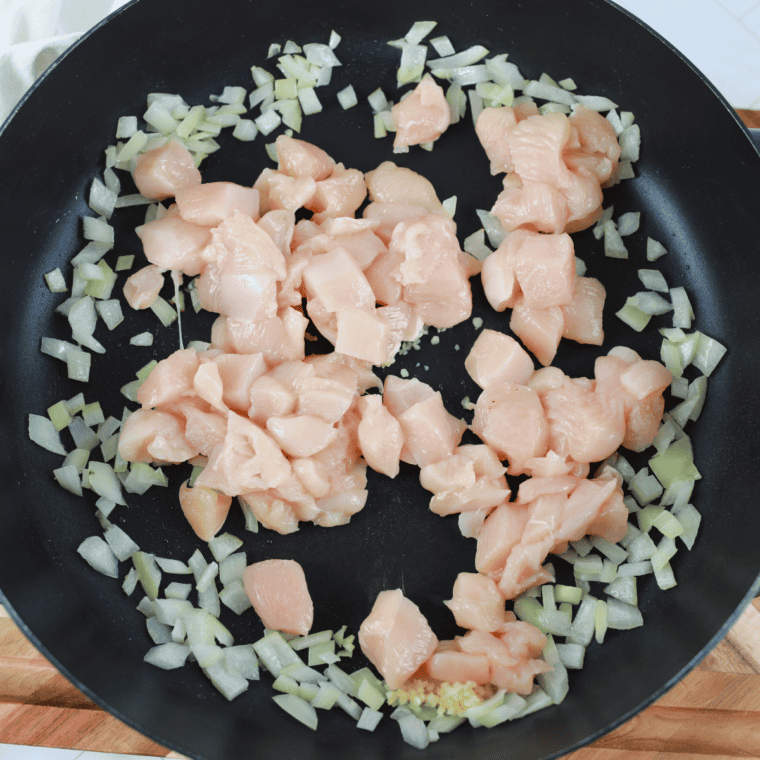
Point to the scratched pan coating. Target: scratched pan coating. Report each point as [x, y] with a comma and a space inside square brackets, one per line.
[698, 193]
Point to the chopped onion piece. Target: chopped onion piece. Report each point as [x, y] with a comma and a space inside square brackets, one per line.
[633, 316]
[143, 339]
[68, 477]
[121, 544]
[298, 708]
[347, 97]
[369, 719]
[613, 243]
[630, 143]
[505, 73]
[493, 229]
[571, 655]
[110, 312]
[158, 631]
[652, 303]
[223, 545]
[229, 684]
[173, 566]
[622, 616]
[241, 660]
[668, 524]
[654, 250]
[167, 656]
[55, 281]
[233, 596]
[582, 629]
[414, 731]
[274, 653]
[99, 556]
[442, 45]
[549, 92]
[652, 279]
[178, 590]
[683, 314]
[689, 517]
[475, 245]
[600, 620]
[476, 104]
[665, 577]
[43, 433]
[164, 311]
[148, 574]
[320, 54]
[555, 682]
[708, 354]
[538, 700]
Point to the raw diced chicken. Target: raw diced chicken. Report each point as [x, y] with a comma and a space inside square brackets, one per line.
[493, 128]
[149, 435]
[583, 315]
[640, 394]
[537, 486]
[279, 224]
[518, 679]
[430, 432]
[204, 428]
[173, 243]
[267, 336]
[338, 281]
[205, 510]
[532, 205]
[544, 266]
[398, 185]
[389, 214]
[380, 436]
[279, 595]
[539, 329]
[511, 419]
[498, 358]
[313, 476]
[536, 146]
[271, 512]
[472, 479]
[248, 248]
[325, 398]
[302, 159]
[207, 384]
[363, 334]
[301, 435]
[383, 276]
[431, 275]
[396, 638]
[422, 116]
[163, 172]
[248, 460]
[142, 288]
[400, 395]
[268, 398]
[208, 205]
[597, 139]
[524, 640]
[340, 194]
[459, 667]
[238, 372]
[501, 532]
[290, 193]
[477, 603]
[582, 424]
[170, 379]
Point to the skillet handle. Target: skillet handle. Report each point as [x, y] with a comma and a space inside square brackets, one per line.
[755, 135]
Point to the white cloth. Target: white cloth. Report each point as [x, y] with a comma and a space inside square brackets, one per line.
[33, 33]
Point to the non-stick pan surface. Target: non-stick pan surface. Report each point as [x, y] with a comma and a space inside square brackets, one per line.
[698, 193]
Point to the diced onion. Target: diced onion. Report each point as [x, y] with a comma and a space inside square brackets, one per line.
[167, 656]
[347, 97]
[98, 554]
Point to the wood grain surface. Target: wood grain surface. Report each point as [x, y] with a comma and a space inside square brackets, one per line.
[714, 712]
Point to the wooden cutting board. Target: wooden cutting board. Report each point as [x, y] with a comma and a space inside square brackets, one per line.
[713, 713]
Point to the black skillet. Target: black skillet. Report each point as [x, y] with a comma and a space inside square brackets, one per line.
[698, 193]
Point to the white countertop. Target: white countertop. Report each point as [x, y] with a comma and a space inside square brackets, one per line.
[720, 37]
